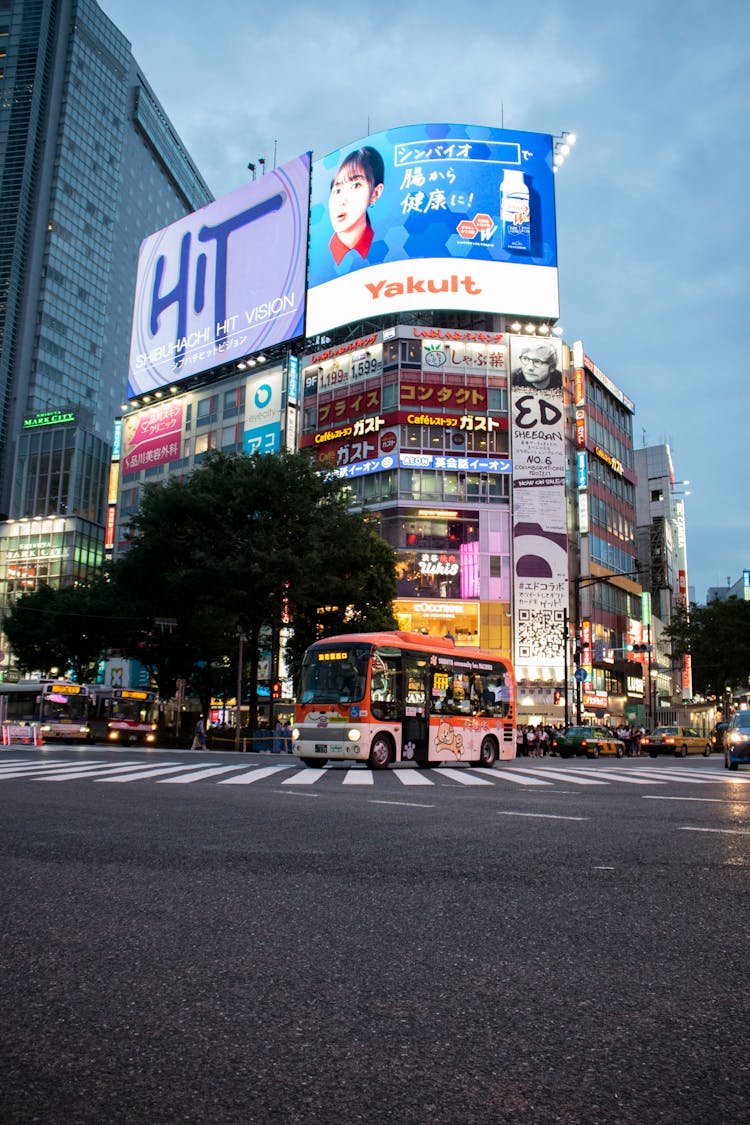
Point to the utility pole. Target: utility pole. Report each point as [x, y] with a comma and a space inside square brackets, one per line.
[566, 624]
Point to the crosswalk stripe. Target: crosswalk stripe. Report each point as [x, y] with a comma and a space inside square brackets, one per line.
[412, 777]
[143, 775]
[614, 775]
[305, 777]
[505, 774]
[82, 772]
[676, 775]
[45, 767]
[254, 775]
[463, 777]
[561, 775]
[198, 775]
[359, 777]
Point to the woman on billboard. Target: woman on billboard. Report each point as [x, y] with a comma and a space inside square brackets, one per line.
[357, 185]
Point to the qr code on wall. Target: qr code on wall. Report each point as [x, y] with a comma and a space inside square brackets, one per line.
[541, 634]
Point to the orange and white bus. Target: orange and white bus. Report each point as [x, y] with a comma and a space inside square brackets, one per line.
[392, 697]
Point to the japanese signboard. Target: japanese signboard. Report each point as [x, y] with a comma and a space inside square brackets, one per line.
[540, 540]
[224, 282]
[438, 216]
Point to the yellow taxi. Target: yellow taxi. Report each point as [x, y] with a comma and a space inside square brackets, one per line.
[679, 741]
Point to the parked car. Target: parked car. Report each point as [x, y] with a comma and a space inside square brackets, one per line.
[737, 741]
[591, 741]
[679, 741]
[717, 736]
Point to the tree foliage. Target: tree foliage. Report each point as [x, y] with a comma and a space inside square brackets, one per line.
[64, 629]
[244, 544]
[717, 638]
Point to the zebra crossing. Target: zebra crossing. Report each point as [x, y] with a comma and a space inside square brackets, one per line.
[356, 776]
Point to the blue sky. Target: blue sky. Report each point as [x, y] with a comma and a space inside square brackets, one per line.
[652, 205]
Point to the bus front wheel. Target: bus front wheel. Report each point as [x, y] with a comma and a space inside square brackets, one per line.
[487, 753]
[380, 753]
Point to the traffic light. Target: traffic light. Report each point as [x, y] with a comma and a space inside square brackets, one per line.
[558, 695]
[639, 648]
[275, 690]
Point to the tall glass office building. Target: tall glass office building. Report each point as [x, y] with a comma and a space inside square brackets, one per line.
[89, 165]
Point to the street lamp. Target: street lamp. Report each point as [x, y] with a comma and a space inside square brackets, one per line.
[238, 717]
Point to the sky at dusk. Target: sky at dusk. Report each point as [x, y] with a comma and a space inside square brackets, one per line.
[653, 219]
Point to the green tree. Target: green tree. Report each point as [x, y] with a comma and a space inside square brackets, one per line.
[242, 545]
[67, 629]
[717, 638]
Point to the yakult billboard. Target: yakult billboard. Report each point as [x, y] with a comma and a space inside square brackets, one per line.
[433, 216]
[224, 282]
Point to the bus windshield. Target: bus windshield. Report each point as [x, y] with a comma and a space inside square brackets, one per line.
[60, 706]
[335, 674]
[133, 710]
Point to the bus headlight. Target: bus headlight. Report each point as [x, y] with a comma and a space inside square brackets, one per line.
[354, 734]
[113, 735]
[295, 734]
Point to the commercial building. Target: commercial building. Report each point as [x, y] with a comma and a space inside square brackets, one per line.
[428, 373]
[661, 541]
[89, 165]
[739, 589]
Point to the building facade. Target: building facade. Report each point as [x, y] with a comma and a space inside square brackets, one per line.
[661, 541]
[89, 164]
[418, 360]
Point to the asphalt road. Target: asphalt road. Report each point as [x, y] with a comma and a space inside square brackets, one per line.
[336, 952]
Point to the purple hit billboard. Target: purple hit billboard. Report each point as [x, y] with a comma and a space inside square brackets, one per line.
[458, 217]
[224, 282]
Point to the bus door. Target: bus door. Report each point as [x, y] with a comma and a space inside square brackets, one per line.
[415, 736]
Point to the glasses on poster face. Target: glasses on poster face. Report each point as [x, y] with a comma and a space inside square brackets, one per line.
[535, 362]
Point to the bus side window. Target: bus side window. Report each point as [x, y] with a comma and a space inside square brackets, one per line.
[386, 687]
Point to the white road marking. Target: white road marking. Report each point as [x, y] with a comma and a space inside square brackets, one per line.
[412, 777]
[542, 816]
[504, 774]
[616, 775]
[84, 772]
[304, 777]
[401, 804]
[561, 775]
[359, 777]
[463, 777]
[197, 775]
[720, 831]
[254, 775]
[147, 774]
[704, 800]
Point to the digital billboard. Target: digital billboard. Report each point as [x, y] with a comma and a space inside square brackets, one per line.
[438, 216]
[224, 282]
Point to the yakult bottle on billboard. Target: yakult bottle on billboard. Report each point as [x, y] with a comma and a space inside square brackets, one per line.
[515, 214]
